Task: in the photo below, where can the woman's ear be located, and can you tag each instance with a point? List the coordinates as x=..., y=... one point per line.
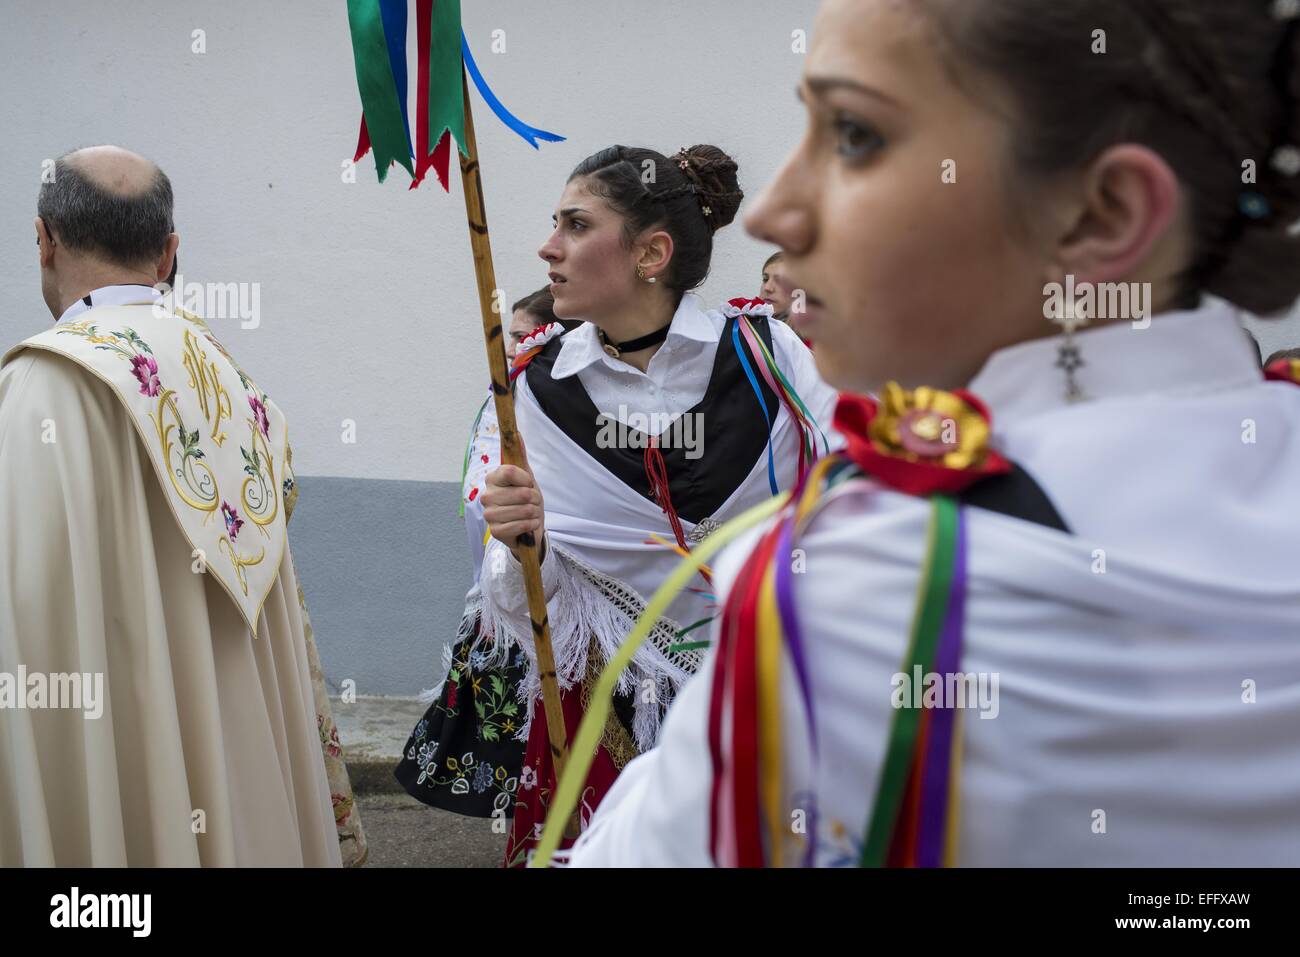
x=656, y=254
x=1120, y=221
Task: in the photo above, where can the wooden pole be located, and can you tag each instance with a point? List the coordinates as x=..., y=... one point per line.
x=476, y=215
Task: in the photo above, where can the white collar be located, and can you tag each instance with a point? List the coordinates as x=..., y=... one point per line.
x=111, y=296
x=581, y=347
x=1194, y=351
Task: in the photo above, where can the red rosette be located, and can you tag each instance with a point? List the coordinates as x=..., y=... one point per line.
x=919, y=464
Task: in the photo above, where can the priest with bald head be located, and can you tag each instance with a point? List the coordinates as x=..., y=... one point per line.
x=156, y=696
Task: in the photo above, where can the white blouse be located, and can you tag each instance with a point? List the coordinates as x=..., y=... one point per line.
x=675, y=378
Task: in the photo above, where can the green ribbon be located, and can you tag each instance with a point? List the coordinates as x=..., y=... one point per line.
x=446, y=75
x=931, y=607
x=681, y=646
x=389, y=137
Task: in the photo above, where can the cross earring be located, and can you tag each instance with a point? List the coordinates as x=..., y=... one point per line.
x=1069, y=358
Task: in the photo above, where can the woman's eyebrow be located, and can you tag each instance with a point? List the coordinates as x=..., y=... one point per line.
x=567, y=211
x=821, y=85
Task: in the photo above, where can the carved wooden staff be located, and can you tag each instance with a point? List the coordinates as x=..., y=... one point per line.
x=476, y=216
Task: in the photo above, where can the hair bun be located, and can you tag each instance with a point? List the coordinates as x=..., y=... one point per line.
x=718, y=190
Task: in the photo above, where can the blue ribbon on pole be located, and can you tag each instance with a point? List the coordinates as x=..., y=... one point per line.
x=393, y=15
x=529, y=134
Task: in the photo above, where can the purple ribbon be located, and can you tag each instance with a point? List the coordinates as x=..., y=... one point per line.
x=784, y=588
x=938, y=756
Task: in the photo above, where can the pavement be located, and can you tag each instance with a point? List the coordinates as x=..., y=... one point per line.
x=400, y=831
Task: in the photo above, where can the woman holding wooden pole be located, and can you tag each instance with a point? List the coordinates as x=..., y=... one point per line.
x=646, y=427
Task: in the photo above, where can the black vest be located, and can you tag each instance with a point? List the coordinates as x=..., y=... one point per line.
x=732, y=425
x=1016, y=494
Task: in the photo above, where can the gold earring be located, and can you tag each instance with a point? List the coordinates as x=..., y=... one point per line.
x=640, y=274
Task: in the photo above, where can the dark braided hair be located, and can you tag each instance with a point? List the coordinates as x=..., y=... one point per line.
x=1207, y=84
x=690, y=195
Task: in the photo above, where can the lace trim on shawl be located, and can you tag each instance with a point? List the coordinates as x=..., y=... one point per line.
x=590, y=614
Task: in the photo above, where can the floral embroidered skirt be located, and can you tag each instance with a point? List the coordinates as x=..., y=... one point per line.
x=537, y=779
x=463, y=755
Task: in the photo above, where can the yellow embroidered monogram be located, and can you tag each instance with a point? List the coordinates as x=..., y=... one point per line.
x=213, y=398
x=221, y=491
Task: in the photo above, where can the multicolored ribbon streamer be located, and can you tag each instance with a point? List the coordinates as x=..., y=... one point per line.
x=913, y=819
x=379, y=49
x=771, y=373
x=793, y=403
x=747, y=820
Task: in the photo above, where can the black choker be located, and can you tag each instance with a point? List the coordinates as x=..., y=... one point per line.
x=616, y=349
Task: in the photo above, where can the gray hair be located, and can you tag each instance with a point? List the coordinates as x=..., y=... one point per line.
x=125, y=230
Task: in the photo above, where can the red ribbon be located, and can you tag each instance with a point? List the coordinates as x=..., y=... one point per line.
x=656, y=470
x=737, y=657
x=439, y=160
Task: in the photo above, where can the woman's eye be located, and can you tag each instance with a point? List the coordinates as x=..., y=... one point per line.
x=854, y=140
x=577, y=224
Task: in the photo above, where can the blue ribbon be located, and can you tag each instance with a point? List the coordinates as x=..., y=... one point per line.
x=393, y=15
x=758, y=391
x=530, y=134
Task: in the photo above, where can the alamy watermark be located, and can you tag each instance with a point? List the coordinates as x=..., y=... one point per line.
x=1086, y=301
x=212, y=300
x=634, y=430
x=129, y=911
x=953, y=689
x=83, y=691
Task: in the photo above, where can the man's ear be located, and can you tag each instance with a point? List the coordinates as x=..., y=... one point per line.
x=44, y=239
x=167, y=259
x=1129, y=198
x=657, y=253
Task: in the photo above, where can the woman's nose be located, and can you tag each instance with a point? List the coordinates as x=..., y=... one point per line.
x=547, y=249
